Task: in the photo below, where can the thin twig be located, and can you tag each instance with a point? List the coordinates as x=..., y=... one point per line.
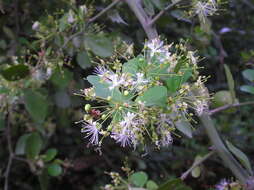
x=222, y=108
x=9, y=145
x=162, y=12
x=89, y=22
x=195, y=164
x=103, y=11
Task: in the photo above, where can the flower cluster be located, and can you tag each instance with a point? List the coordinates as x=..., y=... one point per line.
x=146, y=99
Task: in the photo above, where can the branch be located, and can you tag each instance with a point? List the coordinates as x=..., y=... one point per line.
x=104, y=11
x=11, y=155
x=222, y=151
x=211, y=112
x=195, y=164
x=162, y=12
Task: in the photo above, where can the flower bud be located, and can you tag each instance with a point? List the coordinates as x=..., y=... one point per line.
x=87, y=107
x=126, y=92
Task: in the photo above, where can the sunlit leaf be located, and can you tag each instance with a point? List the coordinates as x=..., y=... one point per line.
x=154, y=96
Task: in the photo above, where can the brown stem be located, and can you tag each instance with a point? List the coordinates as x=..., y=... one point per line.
x=114, y=2
x=162, y=12
x=222, y=108
x=136, y=7
x=195, y=164
x=10, y=150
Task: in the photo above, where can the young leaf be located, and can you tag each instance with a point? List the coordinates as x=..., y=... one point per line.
x=231, y=82
x=248, y=74
x=247, y=88
x=33, y=145
x=173, y=83
x=139, y=179
x=50, y=154
x=154, y=96
x=241, y=156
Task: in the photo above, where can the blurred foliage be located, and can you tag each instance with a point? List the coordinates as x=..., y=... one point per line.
x=48, y=47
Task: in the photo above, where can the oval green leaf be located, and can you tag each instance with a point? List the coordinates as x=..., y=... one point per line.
x=139, y=179
x=15, y=72
x=248, y=74
x=54, y=170
x=33, y=145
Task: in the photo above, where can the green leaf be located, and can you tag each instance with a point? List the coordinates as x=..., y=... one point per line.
x=173, y=83
x=248, y=74
x=102, y=89
x=33, y=145
x=231, y=82
x=154, y=96
x=151, y=185
x=247, y=88
x=131, y=66
x=83, y=60
x=36, y=105
x=61, y=78
x=15, y=72
x=185, y=127
x=174, y=184
x=240, y=156
x=21, y=144
x=99, y=45
x=50, y=154
x=139, y=179
x=54, y=170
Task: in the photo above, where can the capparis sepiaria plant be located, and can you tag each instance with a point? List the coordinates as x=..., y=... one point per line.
x=149, y=98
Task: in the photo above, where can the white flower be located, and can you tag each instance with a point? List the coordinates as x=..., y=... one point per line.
x=92, y=132
x=115, y=81
x=155, y=46
x=200, y=106
x=205, y=9
x=140, y=79
x=166, y=138
x=101, y=71
x=223, y=185
x=121, y=138
x=128, y=120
